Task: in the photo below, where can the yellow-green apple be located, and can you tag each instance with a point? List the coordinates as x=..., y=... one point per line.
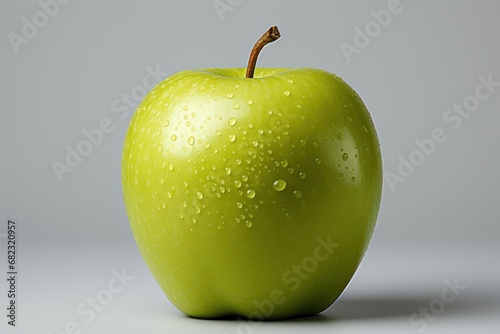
x=252, y=192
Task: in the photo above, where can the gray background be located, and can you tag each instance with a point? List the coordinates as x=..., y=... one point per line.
x=441, y=223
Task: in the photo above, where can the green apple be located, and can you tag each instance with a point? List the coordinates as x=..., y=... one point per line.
x=252, y=196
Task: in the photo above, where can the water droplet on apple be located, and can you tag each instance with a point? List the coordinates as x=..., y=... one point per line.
x=286, y=93
x=185, y=108
x=302, y=175
x=340, y=136
x=236, y=106
x=244, y=178
x=249, y=102
x=232, y=138
x=218, y=132
x=279, y=185
x=181, y=216
x=290, y=81
x=317, y=160
x=345, y=156
x=353, y=179
x=169, y=195
x=237, y=183
x=170, y=166
x=229, y=95
x=158, y=132
x=284, y=163
x=297, y=193
x=199, y=195
x=236, y=86
x=166, y=123
x=173, y=137
x=232, y=121
x=163, y=165
x=160, y=148
x=250, y=193
x=191, y=140
x=302, y=142
x=239, y=205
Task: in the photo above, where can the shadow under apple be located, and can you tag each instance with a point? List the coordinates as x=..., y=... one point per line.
x=346, y=309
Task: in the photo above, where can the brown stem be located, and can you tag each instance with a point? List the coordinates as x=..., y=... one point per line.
x=269, y=36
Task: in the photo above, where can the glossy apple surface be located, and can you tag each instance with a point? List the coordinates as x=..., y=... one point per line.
x=252, y=197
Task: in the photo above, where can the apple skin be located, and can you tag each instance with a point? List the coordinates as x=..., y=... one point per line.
x=203, y=161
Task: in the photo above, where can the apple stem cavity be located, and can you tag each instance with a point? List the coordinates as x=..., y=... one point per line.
x=269, y=36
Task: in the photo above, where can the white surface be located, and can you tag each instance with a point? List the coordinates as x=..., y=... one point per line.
x=389, y=286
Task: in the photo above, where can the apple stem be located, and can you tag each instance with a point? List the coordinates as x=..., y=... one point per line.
x=269, y=36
